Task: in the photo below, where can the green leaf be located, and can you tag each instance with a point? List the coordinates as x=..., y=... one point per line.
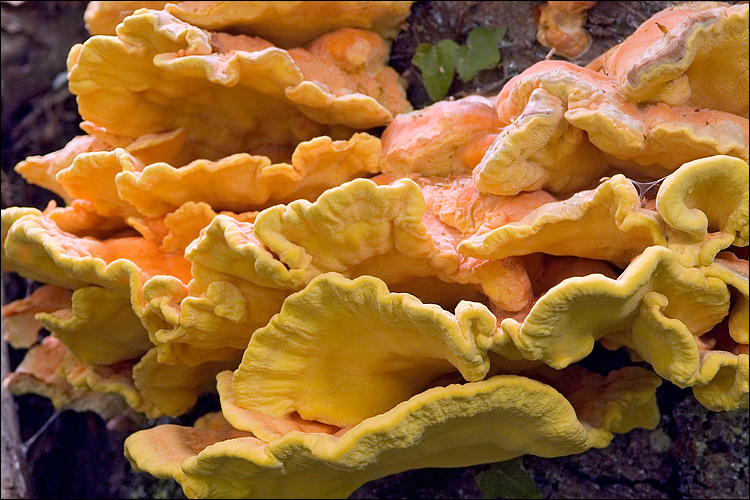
x=438, y=65
x=507, y=480
x=480, y=52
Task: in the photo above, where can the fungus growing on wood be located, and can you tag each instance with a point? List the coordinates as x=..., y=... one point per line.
x=367, y=305
x=444, y=426
x=561, y=27
x=221, y=89
x=286, y=24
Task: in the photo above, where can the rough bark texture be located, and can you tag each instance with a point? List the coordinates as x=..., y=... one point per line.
x=14, y=474
x=693, y=454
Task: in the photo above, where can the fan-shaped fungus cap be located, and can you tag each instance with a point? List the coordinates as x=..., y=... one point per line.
x=451, y=426
x=99, y=327
x=539, y=150
x=431, y=141
x=714, y=362
x=222, y=88
x=607, y=223
x=678, y=135
x=172, y=389
x=718, y=377
x=148, y=387
x=304, y=235
x=212, y=319
x=80, y=218
x=44, y=371
x=700, y=210
x=42, y=170
x=734, y=272
x=60, y=171
x=706, y=202
x=116, y=182
x=315, y=166
x=36, y=248
x=362, y=353
x=211, y=316
x=21, y=329
x=694, y=54
x=728, y=388
x=290, y=245
x=561, y=27
x=566, y=124
x=662, y=303
x=346, y=81
x=40, y=372
x=286, y=24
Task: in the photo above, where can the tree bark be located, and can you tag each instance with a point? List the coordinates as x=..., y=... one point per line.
x=15, y=474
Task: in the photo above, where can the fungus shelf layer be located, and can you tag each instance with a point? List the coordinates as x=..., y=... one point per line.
x=372, y=301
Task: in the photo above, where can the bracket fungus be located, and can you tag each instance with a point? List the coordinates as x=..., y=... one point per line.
x=287, y=246
x=692, y=215
x=167, y=74
x=22, y=329
x=606, y=223
x=428, y=142
x=394, y=347
x=676, y=55
x=117, y=184
x=286, y=24
x=366, y=305
x=566, y=124
x=94, y=310
x=444, y=426
x=561, y=27
x=43, y=371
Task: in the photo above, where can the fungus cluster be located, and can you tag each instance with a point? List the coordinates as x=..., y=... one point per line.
x=561, y=27
x=367, y=305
